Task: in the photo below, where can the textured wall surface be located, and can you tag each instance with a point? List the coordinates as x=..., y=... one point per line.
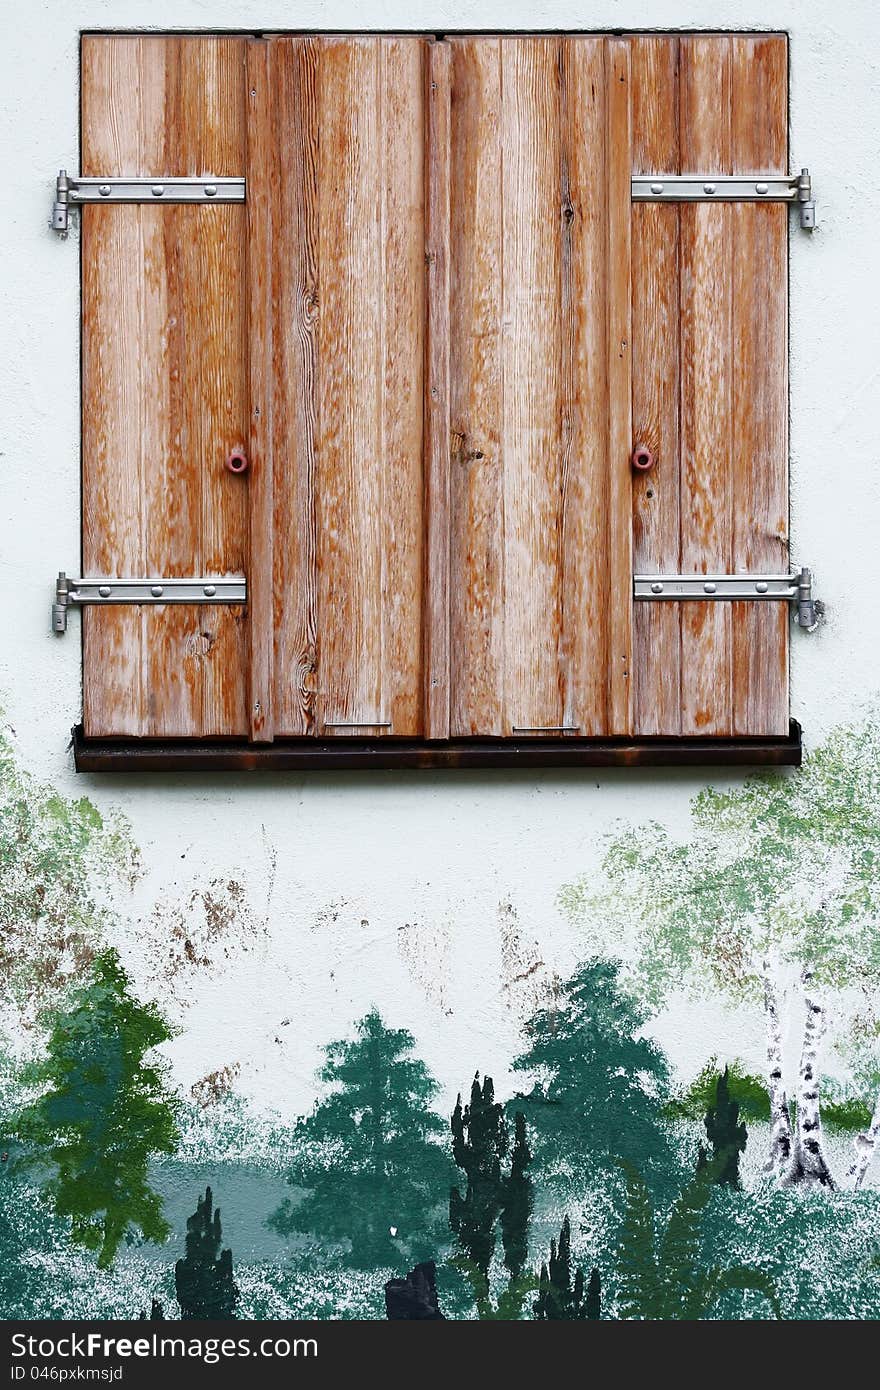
x=295, y=904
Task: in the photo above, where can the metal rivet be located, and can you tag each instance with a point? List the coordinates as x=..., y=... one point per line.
x=104, y=590
x=656, y=188
x=156, y=590
x=157, y=190
x=709, y=587
x=210, y=190
x=105, y=190
x=762, y=586
x=210, y=590
x=74, y=194
x=762, y=188
x=708, y=187
x=656, y=588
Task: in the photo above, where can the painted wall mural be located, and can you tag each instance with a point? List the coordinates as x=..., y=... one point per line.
x=601, y=1184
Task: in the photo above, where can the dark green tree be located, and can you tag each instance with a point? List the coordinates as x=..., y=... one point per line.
x=661, y=1275
x=600, y=1088
x=726, y=1135
x=156, y=1312
x=104, y=1112
x=496, y=1193
x=560, y=1298
x=370, y=1157
x=203, y=1278
x=517, y=1201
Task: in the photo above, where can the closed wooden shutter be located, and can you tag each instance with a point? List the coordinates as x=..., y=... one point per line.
x=437, y=326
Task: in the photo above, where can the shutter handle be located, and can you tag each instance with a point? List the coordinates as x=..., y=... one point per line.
x=642, y=459
x=237, y=462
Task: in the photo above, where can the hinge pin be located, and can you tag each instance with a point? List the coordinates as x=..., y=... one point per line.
x=806, y=204
x=61, y=207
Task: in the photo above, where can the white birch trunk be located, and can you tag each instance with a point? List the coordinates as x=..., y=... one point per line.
x=865, y=1145
x=808, y=1163
x=780, y=1118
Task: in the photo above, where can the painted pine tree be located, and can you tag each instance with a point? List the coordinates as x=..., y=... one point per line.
x=559, y=1296
x=602, y=1088
x=203, y=1278
x=370, y=1156
x=497, y=1194
x=727, y=1136
x=104, y=1112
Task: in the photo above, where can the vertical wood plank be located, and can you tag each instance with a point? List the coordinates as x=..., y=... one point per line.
x=759, y=98
x=656, y=384
x=531, y=364
x=618, y=194
x=477, y=463
x=707, y=422
x=351, y=453
x=261, y=181
x=437, y=392
x=404, y=61
x=112, y=292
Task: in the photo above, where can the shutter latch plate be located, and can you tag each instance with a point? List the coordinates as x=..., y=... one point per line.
x=72, y=191
x=720, y=188
x=73, y=593
x=734, y=588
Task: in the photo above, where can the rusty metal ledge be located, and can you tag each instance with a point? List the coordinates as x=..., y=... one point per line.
x=389, y=754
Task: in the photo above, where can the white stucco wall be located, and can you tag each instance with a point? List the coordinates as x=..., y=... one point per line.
x=399, y=890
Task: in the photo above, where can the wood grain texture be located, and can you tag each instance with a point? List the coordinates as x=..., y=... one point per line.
x=438, y=463
x=619, y=271
x=340, y=284
x=164, y=386
x=533, y=306
x=706, y=371
x=759, y=138
x=710, y=384
x=656, y=384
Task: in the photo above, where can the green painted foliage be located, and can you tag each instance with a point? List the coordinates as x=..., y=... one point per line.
x=370, y=1158
x=561, y=1298
x=749, y=1092
x=103, y=1112
x=56, y=856
x=661, y=1274
x=600, y=1088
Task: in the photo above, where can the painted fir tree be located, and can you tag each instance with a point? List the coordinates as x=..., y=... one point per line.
x=599, y=1087
x=370, y=1156
x=203, y=1278
x=726, y=1134
x=497, y=1194
x=561, y=1298
x=104, y=1112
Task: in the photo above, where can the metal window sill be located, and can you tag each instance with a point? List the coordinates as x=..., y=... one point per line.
x=135, y=755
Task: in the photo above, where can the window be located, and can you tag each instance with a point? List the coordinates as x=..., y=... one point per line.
x=435, y=330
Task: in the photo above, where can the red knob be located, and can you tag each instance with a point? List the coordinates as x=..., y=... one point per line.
x=642, y=458
x=236, y=461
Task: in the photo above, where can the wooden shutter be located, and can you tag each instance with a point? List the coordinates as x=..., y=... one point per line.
x=164, y=380
x=710, y=393
x=438, y=326
x=540, y=386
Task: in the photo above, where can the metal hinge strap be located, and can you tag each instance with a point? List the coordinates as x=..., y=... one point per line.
x=73, y=593
x=733, y=588
x=72, y=191
x=720, y=188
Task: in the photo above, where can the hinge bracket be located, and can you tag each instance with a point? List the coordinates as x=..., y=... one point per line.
x=720, y=188
x=73, y=593
x=734, y=588
x=72, y=191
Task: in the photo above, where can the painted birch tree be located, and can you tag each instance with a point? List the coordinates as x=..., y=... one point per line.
x=773, y=898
